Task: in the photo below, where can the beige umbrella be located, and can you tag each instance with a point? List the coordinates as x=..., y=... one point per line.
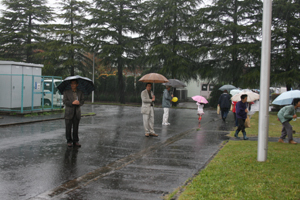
x=252, y=96
x=154, y=78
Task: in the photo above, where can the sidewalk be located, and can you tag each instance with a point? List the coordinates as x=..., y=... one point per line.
x=8, y=120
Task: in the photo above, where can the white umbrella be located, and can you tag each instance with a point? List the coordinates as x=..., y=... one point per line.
x=251, y=96
x=286, y=98
x=235, y=91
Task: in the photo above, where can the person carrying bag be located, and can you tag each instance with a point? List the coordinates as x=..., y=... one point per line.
x=241, y=114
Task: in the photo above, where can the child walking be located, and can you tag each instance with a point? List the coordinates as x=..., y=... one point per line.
x=200, y=110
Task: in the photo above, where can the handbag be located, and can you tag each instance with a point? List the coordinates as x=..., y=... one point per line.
x=247, y=122
x=218, y=109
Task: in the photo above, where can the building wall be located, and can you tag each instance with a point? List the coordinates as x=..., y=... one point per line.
x=199, y=87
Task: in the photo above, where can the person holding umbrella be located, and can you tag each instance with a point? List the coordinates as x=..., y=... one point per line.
x=147, y=110
x=166, y=104
x=224, y=103
x=73, y=99
x=285, y=115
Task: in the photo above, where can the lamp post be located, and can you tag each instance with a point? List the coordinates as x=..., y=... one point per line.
x=263, y=126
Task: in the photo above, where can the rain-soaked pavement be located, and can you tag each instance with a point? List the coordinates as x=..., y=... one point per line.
x=115, y=161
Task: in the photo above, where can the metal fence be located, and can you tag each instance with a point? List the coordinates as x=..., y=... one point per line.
x=28, y=93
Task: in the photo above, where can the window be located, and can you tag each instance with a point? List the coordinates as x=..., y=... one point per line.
x=211, y=87
x=204, y=87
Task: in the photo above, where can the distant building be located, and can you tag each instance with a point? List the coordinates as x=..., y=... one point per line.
x=199, y=87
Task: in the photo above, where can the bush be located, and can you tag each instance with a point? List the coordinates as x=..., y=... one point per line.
x=130, y=85
x=274, y=96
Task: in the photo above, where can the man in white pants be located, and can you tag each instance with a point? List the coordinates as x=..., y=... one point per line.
x=148, y=99
x=166, y=104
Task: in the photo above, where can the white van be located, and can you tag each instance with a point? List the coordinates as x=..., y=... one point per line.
x=57, y=97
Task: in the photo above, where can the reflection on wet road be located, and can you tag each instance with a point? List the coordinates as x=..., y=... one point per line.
x=115, y=161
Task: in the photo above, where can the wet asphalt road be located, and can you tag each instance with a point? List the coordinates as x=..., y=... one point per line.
x=115, y=161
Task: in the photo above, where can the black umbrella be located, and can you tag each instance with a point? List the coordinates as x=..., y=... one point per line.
x=85, y=85
x=175, y=83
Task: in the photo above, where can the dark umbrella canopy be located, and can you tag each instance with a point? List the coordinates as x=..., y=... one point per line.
x=175, y=83
x=85, y=85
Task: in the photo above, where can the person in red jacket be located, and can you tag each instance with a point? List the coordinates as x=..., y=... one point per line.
x=234, y=114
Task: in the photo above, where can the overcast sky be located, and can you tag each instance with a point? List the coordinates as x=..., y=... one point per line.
x=54, y=4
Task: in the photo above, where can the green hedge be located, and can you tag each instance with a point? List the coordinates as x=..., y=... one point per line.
x=106, y=89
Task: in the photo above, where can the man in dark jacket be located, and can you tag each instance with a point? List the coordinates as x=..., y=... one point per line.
x=224, y=103
x=241, y=115
x=73, y=99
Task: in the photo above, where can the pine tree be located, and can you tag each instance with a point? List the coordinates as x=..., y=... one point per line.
x=285, y=43
x=20, y=27
x=115, y=34
x=66, y=44
x=169, y=30
x=232, y=29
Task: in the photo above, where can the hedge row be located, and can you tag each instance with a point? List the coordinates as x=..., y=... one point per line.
x=106, y=89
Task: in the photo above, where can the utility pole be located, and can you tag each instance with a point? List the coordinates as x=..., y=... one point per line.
x=263, y=126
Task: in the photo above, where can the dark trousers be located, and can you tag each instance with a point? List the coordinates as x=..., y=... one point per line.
x=236, y=123
x=69, y=123
x=224, y=112
x=241, y=126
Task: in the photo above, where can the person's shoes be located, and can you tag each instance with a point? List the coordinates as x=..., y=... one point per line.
x=168, y=124
x=154, y=134
x=164, y=123
x=223, y=119
x=76, y=144
x=292, y=142
x=244, y=136
x=147, y=134
x=280, y=140
x=236, y=134
x=69, y=144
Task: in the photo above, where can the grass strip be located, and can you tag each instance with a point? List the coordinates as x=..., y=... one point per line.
x=235, y=174
x=274, y=126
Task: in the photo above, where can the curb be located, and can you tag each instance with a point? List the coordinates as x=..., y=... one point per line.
x=36, y=121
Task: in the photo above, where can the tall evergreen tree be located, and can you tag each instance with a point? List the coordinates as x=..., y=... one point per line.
x=169, y=29
x=115, y=29
x=67, y=43
x=233, y=28
x=285, y=43
x=20, y=26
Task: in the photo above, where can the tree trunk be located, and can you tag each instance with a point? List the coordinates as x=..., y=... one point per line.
x=120, y=63
x=120, y=83
x=72, y=42
x=28, y=48
x=288, y=87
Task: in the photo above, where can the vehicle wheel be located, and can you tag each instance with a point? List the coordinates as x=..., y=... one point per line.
x=47, y=102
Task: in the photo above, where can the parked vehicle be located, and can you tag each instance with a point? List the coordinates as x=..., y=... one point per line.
x=57, y=97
